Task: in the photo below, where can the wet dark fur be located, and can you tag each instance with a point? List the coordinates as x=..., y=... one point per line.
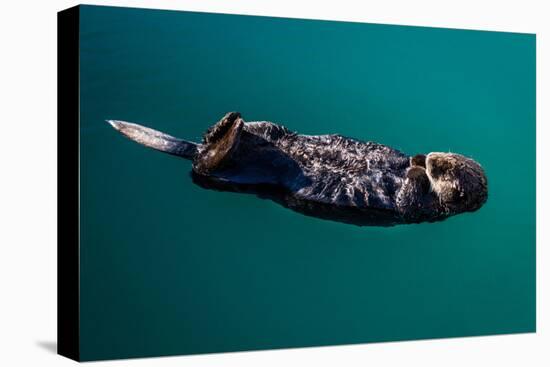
x=326, y=171
x=327, y=176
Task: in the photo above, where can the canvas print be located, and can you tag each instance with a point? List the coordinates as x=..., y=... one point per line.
x=232, y=183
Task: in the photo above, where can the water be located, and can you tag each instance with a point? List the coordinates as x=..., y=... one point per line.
x=170, y=268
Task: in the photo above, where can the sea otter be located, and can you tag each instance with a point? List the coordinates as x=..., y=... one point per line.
x=326, y=176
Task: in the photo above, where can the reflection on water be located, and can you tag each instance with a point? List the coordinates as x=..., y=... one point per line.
x=349, y=215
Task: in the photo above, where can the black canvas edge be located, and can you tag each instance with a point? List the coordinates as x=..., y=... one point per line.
x=68, y=229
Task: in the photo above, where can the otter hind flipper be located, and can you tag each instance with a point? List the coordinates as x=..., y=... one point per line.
x=219, y=142
x=155, y=139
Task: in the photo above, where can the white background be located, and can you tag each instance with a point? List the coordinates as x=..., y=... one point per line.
x=28, y=183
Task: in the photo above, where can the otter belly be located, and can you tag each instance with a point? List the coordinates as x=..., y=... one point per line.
x=371, y=189
x=346, y=172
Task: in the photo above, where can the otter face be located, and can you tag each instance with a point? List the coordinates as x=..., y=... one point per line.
x=459, y=182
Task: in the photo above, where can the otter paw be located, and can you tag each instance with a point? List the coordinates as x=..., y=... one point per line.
x=218, y=130
x=418, y=160
x=417, y=177
x=219, y=142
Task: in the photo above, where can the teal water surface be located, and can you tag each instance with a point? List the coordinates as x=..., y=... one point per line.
x=170, y=268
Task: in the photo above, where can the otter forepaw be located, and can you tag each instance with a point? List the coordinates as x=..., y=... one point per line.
x=418, y=160
x=417, y=177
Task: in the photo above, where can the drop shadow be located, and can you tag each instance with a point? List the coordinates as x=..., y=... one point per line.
x=50, y=346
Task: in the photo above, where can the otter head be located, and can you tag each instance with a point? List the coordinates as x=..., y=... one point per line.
x=459, y=182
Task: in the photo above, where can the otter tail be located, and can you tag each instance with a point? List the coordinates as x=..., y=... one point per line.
x=155, y=139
